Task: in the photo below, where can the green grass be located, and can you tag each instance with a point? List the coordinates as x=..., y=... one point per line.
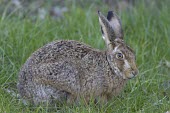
x=146, y=29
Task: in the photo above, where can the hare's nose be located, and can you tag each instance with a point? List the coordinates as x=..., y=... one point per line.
x=135, y=72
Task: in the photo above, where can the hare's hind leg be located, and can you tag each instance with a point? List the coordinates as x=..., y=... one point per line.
x=40, y=95
x=45, y=94
x=25, y=93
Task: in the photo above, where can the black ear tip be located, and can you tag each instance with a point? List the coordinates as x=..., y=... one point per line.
x=110, y=14
x=98, y=12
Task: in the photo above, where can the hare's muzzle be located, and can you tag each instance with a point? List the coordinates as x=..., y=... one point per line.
x=135, y=72
x=131, y=70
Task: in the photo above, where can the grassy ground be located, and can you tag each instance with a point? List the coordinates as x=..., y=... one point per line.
x=146, y=29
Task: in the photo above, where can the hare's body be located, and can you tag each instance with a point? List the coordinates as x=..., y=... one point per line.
x=70, y=70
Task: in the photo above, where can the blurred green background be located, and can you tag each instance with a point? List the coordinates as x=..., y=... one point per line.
x=26, y=25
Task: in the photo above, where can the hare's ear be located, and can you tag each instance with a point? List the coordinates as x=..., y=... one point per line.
x=116, y=24
x=111, y=28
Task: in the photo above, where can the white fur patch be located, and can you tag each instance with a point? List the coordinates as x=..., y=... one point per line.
x=126, y=65
x=116, y=49
x=103, y=37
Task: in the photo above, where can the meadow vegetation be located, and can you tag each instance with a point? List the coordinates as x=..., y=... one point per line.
x=146, y=30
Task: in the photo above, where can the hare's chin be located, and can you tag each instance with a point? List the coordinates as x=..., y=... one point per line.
x=130, y=76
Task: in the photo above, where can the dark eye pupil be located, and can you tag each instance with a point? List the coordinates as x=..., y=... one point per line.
x=119, y=55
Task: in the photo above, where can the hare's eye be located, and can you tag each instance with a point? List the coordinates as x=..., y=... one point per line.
x=119, y=56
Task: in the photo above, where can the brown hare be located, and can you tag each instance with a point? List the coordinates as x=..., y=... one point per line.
x=72, y=70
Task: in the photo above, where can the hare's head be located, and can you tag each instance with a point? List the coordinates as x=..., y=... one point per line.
x=121, y=57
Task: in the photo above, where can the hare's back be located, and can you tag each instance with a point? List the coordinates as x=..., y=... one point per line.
x=59, y=50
